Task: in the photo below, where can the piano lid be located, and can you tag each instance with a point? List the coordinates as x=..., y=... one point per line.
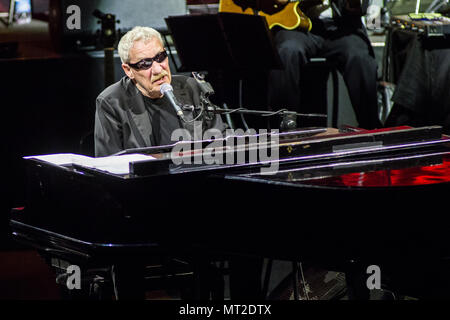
x=404, y=170
x=296, y=154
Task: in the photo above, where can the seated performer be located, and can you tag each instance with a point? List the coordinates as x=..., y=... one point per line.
x=133, y=113
x=339, y=35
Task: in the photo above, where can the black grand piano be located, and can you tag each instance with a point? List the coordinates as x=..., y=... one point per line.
x=328, y=197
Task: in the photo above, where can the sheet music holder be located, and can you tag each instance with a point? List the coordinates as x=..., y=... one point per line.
x=223, y=41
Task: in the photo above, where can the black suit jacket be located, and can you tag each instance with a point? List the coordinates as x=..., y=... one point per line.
x=123, y=122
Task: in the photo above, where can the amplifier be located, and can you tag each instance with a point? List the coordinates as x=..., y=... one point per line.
x=439, y=27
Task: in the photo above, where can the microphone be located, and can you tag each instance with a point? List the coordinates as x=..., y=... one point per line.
x=205, y=87
x=167, y=90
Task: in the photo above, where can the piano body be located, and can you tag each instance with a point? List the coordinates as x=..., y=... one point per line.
x=377, y=197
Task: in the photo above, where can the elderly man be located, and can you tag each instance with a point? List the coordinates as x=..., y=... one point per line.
x=133, y=113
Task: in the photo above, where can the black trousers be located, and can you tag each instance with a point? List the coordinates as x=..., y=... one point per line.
x=350, y=52
x=422, y=94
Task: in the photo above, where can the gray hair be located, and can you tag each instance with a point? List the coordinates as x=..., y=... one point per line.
x=135, y=34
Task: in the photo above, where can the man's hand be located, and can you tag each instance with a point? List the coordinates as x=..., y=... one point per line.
x=373, y=17
x=272, y=6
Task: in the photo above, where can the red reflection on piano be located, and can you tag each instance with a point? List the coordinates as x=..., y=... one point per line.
x=414, y=176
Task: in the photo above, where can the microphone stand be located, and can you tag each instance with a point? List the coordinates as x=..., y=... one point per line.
x=108, y=37
x=283, y=112
x=289, y=121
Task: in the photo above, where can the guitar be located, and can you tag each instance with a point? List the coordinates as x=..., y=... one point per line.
x=288, y=16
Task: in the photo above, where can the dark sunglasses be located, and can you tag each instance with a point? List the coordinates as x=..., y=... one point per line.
x=145, y=64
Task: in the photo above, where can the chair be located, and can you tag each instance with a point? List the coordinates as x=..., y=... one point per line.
x=296, y=269
x=123, y=281
x=101, y=280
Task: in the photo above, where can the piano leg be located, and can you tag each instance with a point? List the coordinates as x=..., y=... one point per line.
x=128, y=281
x=208, y=280
x=355, y=277
x=245, y=278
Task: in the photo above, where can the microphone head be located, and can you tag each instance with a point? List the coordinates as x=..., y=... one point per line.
x=165, y=87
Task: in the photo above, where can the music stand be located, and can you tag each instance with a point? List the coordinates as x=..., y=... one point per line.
x=223, y=41
x=7, y=12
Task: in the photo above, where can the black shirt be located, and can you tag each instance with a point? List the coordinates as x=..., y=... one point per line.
x=163, y=119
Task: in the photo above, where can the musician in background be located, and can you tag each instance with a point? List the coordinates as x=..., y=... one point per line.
x=133, y=113
x=339, y=35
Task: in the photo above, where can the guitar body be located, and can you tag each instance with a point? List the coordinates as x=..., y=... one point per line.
x=288, y=17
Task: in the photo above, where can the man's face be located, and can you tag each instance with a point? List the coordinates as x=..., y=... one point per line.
x=148, y=81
